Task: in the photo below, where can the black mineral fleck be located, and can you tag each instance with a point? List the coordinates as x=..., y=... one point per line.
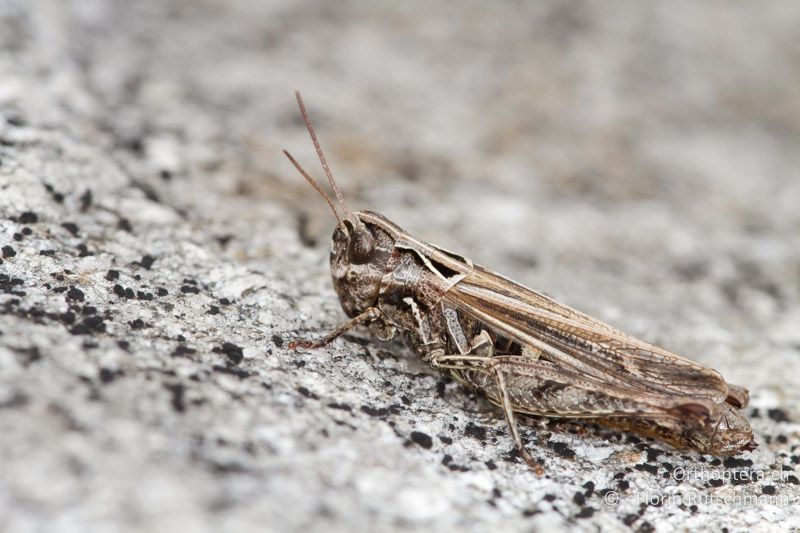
x=378, y=412
x=422, y=439
x=107, y=375
x=561, y=449
x=75, y=294
x=147, y=261
x=177, y=390
x=652, y=469
x=475, y=431
x=733, y=462
x=28, y=217
x=307, y=393
x=629, y=519
x=86, y=200
x=234, y=353
x=182, y=350
x=89, y=325
x=71, y=227
x=778, y=415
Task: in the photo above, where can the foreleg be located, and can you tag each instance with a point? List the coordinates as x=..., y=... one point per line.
x=369, y=315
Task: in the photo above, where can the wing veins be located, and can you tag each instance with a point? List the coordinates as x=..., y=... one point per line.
x=580, y=343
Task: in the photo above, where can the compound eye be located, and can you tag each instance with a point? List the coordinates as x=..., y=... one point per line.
x=339, y=235
x=362, y=246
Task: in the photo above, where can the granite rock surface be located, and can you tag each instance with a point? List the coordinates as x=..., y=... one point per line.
x=636, y=161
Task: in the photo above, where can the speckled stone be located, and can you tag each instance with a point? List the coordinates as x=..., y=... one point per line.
x=637, y=161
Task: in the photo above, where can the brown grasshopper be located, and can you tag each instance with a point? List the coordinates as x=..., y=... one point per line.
x=525, y=351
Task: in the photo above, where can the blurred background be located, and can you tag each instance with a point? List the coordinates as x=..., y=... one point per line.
x=637, y=160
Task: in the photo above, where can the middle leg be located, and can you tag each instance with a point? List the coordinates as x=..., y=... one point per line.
x=483, y=361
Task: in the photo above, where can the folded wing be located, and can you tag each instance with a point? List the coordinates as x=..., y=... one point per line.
x=578, y=342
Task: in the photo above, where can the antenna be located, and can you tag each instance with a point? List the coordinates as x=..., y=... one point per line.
x=316, y=186
x=319, y=152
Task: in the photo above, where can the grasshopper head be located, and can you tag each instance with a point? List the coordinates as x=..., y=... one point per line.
x=358, y=262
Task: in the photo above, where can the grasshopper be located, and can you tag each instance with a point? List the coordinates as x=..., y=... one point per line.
x=526, y=352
